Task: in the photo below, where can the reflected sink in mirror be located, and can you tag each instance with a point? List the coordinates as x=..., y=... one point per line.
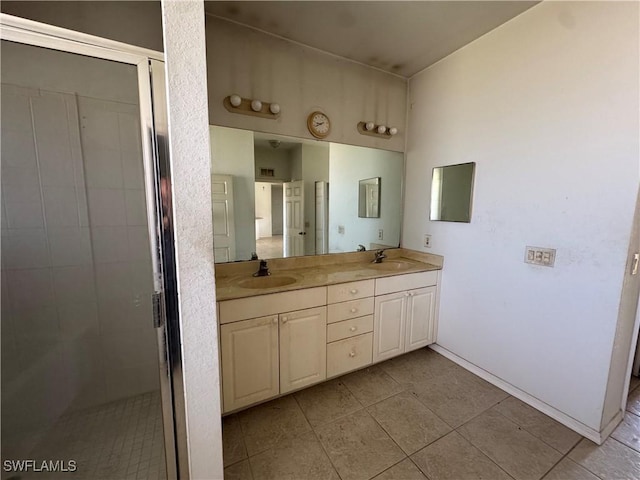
x=267, y=282
x=391, y=265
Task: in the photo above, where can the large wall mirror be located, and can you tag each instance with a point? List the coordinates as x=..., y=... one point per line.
x=277, y=196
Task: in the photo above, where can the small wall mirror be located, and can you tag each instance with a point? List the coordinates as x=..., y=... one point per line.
x=452, y=192
x=369, y=198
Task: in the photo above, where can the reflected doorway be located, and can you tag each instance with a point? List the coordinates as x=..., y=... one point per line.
x=269, y=220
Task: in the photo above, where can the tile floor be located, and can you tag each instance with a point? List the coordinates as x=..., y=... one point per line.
x=270, y=247
x=416, y=417
x=119, y=440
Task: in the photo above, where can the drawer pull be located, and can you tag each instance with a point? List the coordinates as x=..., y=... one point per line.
x=284, y=319
x=352, y=354
x=353, y=329
x=353, y=310
x=353, y=291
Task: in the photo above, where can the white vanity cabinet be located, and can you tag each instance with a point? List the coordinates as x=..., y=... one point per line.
x=405, y=314
x=250, y=361
x=303, y=353
x=268, y=355
x=281, y=342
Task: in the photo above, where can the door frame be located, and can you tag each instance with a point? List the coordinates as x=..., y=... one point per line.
x=155, y=154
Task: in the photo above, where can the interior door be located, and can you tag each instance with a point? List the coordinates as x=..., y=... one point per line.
x=293, y=193
x=224, y=231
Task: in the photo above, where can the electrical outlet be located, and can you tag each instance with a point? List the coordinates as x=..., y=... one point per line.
x=540, y=256
x=380, y=234
x=341, y=229
x=427, y=241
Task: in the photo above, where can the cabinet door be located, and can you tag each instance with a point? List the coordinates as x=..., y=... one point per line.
x=420, y=326
x=249, y=351
x=303, y=348
x=388, y=325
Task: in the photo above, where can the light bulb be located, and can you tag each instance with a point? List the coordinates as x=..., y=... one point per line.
x=274, y=108
x=235, y=100
x=393, y=131
x=369, y=126
x=256, y=105
x=382, y=129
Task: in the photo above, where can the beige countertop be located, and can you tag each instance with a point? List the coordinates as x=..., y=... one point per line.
x=318, y=271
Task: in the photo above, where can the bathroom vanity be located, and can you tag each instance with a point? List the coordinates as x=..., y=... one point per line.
x=315, y=318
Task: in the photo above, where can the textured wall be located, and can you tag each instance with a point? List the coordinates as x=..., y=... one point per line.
x=301, y=79
x=183, y=26
x=547, y=107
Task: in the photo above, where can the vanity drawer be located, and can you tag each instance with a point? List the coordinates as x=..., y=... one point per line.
x=350, y=354
x=274, y=303
x=350, y=291
x=349, y=328
x=408, y=281
x=355, y=308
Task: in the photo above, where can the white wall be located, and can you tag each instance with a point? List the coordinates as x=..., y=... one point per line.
x=347, y=166
x=183, y=28
x=301, y=79
x=277, y=159
x=232, y=154
x=263, y=209
x=547, y=105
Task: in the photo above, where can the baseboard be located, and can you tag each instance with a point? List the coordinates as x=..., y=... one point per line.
x=595, y=436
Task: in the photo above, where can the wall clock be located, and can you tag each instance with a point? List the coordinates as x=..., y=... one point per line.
x=319, y=124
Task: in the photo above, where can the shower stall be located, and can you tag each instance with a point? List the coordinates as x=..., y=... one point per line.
x=88, y=377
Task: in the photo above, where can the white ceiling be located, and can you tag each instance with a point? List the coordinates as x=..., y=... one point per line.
x=395, y=36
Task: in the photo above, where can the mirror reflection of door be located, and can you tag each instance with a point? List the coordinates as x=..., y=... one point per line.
x=269, y=223
x=294, y=218
x=224, y=232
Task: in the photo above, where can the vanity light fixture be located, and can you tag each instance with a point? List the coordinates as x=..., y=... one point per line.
x=380, y=131
x=236, y=104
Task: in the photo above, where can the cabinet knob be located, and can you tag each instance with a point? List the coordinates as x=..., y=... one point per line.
x=411, y=294
x=353, y=329
x=285, y=319
x=353, y=310
x=275, y=320
x=406, y=294
x=352, y=354
x=353, y=291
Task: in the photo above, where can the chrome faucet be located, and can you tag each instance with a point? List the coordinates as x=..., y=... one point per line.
x=361, y=248
x=263, y=270
x=379, y=257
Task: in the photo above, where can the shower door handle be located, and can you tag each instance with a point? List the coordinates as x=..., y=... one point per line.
x=157, y=302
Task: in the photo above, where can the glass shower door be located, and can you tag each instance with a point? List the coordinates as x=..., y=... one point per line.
x=80, y=374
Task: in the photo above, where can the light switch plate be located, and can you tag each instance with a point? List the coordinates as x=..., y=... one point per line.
x=540, y=256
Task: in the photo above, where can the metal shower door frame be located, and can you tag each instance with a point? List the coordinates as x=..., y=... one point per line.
x=153, y=124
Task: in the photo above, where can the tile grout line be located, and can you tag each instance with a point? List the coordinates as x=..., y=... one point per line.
x=315, y=434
